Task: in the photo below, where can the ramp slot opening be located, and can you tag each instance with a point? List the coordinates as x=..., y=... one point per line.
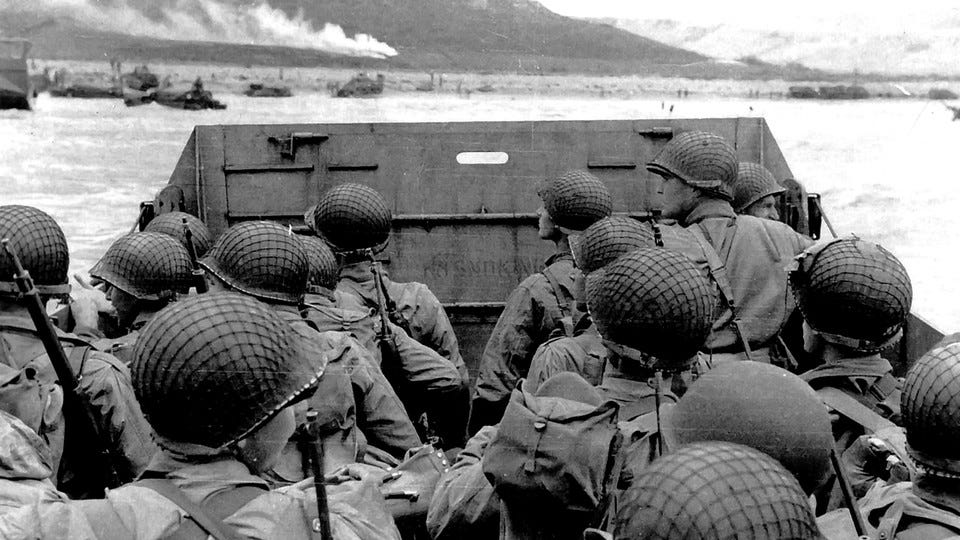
x=482, y=158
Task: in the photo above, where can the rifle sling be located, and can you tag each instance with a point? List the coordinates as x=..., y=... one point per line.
x=207, y=517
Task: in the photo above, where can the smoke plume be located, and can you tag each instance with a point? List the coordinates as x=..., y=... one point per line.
x=208, y=20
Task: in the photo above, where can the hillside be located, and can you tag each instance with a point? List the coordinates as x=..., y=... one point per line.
x=461, y=35
x=929, y=48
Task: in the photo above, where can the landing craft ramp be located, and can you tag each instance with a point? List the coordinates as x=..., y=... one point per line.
x=463, y=195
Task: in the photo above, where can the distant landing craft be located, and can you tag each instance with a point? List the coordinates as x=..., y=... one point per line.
x=956, y=111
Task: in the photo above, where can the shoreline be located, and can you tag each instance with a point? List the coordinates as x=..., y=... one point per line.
x=233, y=79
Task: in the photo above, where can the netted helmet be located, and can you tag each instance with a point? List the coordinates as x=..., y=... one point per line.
x=41, y=247
x=761, y=406
x=753, y=183
x=213, y=368
x=146, y=265
x=324, y=271
x=608, y=239
x=575, y=199
x=854, y=293
x=715, y=491
x=171, y=224
x=653, y=301
x=930, y=409
x=703, y=160
x=352, y=217
x=262, y=259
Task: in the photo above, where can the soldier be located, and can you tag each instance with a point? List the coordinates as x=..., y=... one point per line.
x=144, y=272
x=264, y=260
x=425, y=370
x=929, y=507
x=171, y=224
x=755, y=191
x=541, y=303
x=855, y=297
x=714, y=491
x=746, y=255
x=354, y=220
x=104, y=380
x=218, y=376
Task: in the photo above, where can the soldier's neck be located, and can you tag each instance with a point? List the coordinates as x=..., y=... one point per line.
x=563, y=244
x=833, y=354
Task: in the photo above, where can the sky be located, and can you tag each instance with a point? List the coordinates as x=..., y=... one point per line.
x=866, y=16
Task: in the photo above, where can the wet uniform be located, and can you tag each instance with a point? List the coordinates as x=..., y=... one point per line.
x=533, y=311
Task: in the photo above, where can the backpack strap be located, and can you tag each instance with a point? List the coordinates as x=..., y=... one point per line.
x=848, y=406
x=718, y=271
x=207, y=517
x=563, y=299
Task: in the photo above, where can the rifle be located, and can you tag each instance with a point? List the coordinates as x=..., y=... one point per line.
x=390, y=362
x=76, y=404
x=848, y=497
x=198, y=280
x=311, y=452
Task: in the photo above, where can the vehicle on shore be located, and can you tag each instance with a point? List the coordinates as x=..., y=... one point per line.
x=194, y=98
x=261, y=90
x=360, y=86
x=16, y=88
x=86, y=91
x=828, y=92
x=463, y=194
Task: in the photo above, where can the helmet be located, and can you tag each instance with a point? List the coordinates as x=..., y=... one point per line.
x=575, y=199
x=352, y=217
x=715, y=491
x=855, y=293
x=761, y=406
x=753, y=183
x=654, y=301
x=930, y=409
x=171, y=224
x=324, y=271
x=213, y=368
x=703, y=160
x=610, y=238
x=262, y=259
x=146, y=265
x=41, y=247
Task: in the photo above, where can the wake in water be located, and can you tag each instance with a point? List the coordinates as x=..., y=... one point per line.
x=208, y=20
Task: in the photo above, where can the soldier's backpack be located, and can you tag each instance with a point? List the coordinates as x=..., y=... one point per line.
x=555, y=454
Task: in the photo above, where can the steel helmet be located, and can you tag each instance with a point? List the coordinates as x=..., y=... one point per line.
x=41, y=247
x=324, y=270
x=715, y=491
x=608, y=239
x=213, y=368
x=575, y=200
x=761, y=406
x=262, y=259
x=146, y=265
x=703, y=160
x=854, y=293
x=753, y=183
x=930, y=409
x=653, y=301
x=352, y=217
x=171, y=224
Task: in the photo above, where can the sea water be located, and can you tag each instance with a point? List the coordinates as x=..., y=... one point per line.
x=887, y=169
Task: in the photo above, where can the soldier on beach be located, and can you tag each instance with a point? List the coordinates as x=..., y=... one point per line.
x=144, y=272
x=543, y=303
x=105, y=380
x=746, y=255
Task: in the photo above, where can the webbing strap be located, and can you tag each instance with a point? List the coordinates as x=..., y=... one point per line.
x=562, y=299
x=206, y=520
x=719, y=274
x=848, y=406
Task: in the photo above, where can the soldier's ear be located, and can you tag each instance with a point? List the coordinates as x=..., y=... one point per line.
x=596, y=534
